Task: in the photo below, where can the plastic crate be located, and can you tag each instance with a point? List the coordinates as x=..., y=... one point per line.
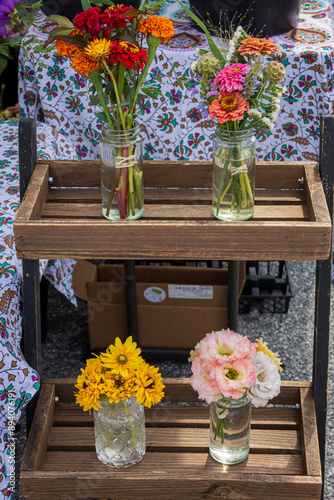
x=268, y=287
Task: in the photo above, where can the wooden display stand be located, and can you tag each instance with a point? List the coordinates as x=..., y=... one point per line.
x=291, y=221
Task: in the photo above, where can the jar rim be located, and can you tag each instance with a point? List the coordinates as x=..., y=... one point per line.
x=224, y=133
x=106, y=129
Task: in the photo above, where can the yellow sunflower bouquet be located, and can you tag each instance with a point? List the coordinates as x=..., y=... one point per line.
x=116, y=375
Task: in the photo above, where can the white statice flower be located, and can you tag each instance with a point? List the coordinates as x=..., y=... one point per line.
x=267, y=123
x=273, y=116
x=255, y=114
x=268, y=380
x=193, y=67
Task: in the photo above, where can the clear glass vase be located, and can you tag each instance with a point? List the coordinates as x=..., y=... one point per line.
x=120, y=433
x=233, y=174
x=229, y=437
x=121, y=173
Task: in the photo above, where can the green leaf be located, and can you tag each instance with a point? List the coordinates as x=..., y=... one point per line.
x=3, y=64
x=85, y=4
x=36, y=5
x=14, y=41
x=62, y=21
x=109, y=87
x=101, y=116
x=104, y=2
x=42, y=65
x=94, y=100
x=214, y=49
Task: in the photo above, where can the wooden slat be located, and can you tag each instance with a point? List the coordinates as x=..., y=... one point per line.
x=176, y=439
x=176, y=174
x=174, y=416
x=177, y=464
x=158, y=195
x=35, y=197
x=309, y=433
x=44, y=485
x=40, y=429
x=161, y=212
x=179, y=390
x=315, y=194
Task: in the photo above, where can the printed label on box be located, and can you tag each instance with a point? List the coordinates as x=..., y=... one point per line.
x=190, y=292
x=154, y=294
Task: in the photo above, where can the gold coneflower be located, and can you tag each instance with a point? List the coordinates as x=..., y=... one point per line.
x=121, y=358
x=149, y=385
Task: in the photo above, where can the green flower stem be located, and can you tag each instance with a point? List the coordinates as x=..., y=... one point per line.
x=243, y=190
x=152, y=49
x=119, y=107
x=249, y=189
x=138, y=180
x=95, y=79
x=225, y=191
x=222, y=178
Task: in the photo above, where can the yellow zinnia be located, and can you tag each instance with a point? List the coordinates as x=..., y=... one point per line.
x=149, y=385
x=121, y=358
x=89, y=385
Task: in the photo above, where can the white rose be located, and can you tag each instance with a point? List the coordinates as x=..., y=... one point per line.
x=268, y=381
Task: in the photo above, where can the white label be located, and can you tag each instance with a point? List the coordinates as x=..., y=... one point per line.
x=154, y=294
x=190, y=292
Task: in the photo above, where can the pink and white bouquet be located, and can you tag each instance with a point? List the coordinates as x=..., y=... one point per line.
x=226, y=366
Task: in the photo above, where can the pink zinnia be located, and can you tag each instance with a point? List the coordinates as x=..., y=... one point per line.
x=232, y=77
x=234, y=378
x=228, y=106
x=225, y=346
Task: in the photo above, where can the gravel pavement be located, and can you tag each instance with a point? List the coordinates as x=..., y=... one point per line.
x=290, y=334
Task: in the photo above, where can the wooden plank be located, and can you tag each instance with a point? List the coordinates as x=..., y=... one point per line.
x=309, y=433
x=175, y=416
x=315, y=194
x=166, y=195
x=176, y=174
x=142, y=239
x=177, y=439
x=40, y=429
x=193, y=211
x=178, y=465
x=179, y=390
x=36, y=194
x=42, y=485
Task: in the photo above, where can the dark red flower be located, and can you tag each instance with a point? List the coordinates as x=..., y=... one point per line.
x=115, y=16
x=128, y=54
x=89, y=20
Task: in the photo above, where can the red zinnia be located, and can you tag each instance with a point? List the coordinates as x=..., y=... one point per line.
x=89, y=20
x=128, y=54
x=116, y=17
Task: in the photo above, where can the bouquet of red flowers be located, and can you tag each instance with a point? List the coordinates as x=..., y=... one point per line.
x=115, y=49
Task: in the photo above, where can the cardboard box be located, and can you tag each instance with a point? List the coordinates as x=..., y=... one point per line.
x=176, y=305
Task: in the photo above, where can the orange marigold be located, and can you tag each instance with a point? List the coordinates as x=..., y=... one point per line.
x=66, y=49
x=159, y=27
x=257, y=46
x=83, y=64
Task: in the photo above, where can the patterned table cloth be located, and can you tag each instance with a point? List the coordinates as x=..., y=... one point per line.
x=18, y=381
x=174, y=126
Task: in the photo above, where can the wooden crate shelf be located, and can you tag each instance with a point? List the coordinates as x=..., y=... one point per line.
x=291, y=219
x=60, y=460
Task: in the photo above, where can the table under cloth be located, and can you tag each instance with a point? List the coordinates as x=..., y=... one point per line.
x=174, y=126
x=18, y=381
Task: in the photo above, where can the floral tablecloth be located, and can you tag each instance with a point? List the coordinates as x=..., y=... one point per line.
x=18, y=381
x=174, y=126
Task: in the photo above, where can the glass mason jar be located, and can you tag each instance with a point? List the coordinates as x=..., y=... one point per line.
x=229, y=444
x=120, y=433
x=121, y=173
x=233, y=174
